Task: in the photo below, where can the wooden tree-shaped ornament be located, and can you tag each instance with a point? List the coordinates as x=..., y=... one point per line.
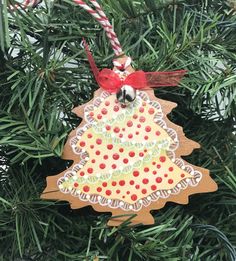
x=127, y=159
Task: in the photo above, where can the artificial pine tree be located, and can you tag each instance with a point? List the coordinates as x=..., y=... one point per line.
x=44, y=74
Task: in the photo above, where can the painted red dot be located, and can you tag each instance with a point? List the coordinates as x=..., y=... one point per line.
x=154, y=172
x=146, y=169
x=130, y=136
x=137, y=186
x=137, y=133
x=158, y=166
x=162, y=159
x=153, y=163
x=93, y=160
x=121, y=182
x=105, y=157
x=171, y=168
x=114, y=166
x=104, y=111
x=108, y=192
x=128, y=192
x=134, y=197
x=82, y=144
x=123, y=129
x=97, y=152
x=90, y=135
x=116, y=129
x=131, y=182
x=144, y=191
x=129, y=123
x=113, y=183
x=110, y=146
x=118, y=191
x=86, y=188
x=99, y=189
x=151, y=111
x=146, y=137
x=141, y=154
x=102, y=166
x=142, y=119
x=158, y=133
x=104, y=184
x=91, y=114
x=76, y=184
x=99, y=116
x=107, y=103
x=170, y=181
x=148, y=129
x=135, y=173
x=90, y=170
x=131, y=154
x=82, y=173
x=165, y=175
x=138, y=125
x=99, y=141
x=120, y=135
x=115, y=156
x=158, y=179
x=121, y=150
x=108, y=127
x=125, y=160
x=116, y=108
x=182, y=175
x=91, y=146
x=141, y=109
x=145, y=181
x=135, y=116
x=153, y=187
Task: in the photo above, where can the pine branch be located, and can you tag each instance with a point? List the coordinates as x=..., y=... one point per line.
x=43, y=75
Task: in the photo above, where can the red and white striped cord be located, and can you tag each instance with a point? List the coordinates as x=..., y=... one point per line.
x=25, y=4
x=100, y=16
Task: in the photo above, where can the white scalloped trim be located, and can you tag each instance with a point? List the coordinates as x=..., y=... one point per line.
x=144, y=202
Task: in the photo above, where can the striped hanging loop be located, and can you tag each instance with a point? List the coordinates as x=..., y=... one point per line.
x=25, y=4
x=100, y=16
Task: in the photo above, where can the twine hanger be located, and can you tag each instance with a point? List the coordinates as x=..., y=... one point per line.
x=100, y=16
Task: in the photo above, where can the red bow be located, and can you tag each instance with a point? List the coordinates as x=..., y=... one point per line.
x=111, y=82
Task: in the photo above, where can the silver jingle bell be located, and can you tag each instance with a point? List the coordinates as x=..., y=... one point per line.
x=126, y=95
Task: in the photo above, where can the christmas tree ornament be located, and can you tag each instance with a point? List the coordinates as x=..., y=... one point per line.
x=126, y=153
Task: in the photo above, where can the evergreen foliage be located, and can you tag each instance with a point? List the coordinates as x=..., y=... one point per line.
x=44, y=73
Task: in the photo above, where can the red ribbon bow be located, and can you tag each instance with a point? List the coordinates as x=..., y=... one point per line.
x=111, y=82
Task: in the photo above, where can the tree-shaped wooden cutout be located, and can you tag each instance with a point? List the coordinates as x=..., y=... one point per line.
x=127, y=159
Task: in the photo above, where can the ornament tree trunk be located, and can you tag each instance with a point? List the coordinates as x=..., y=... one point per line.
x=44, y=74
